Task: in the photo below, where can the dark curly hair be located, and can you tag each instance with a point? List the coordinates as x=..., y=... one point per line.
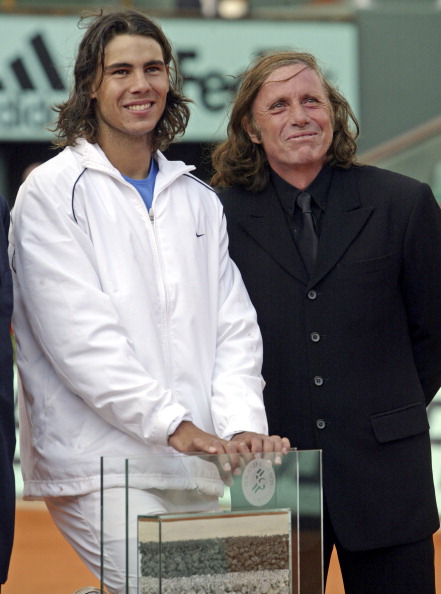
x=76, y=116
x=238, y=160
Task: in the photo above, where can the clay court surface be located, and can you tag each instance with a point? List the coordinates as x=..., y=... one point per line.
x=43, y=563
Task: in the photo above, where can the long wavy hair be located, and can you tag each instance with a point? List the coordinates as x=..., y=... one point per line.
x=238, y=160
x=76, y=116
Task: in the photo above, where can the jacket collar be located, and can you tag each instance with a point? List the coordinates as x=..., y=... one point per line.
x=93, y=157
x=345, y=217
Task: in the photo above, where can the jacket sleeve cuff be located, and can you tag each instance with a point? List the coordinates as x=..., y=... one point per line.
x=166, y=423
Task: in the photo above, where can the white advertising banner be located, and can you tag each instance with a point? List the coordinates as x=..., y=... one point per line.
x=37, y=52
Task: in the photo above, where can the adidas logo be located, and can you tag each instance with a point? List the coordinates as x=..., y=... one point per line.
x=28, y=87
x=24, y=78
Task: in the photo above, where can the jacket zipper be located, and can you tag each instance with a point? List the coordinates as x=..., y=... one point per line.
x=168, y=358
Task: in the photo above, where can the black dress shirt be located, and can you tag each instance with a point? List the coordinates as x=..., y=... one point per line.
x=318, y=189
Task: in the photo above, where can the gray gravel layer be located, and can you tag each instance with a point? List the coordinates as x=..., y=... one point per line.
x=251, y=582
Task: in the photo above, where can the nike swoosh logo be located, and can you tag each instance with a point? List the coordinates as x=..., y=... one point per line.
x=199, y=234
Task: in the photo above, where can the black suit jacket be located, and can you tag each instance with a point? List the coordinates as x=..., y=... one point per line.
x=7, y=422
x=352, y=355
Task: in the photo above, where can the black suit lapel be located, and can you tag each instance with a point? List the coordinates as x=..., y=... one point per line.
x=268, y=227
x=344, y=219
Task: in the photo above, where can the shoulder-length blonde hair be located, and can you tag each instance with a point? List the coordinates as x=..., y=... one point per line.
x=76, y=116
x=238, y=160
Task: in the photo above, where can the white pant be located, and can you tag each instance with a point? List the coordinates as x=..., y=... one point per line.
x=79, y=520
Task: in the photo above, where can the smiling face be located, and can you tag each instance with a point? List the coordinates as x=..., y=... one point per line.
x=131, y=97
x=292, y=120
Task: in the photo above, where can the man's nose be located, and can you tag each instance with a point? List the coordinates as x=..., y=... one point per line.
x=139, y=82
x=299, y=115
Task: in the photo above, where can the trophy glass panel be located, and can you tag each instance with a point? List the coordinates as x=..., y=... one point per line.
x=309, y=523
x=261, y=488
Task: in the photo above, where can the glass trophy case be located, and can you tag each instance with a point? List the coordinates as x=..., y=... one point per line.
x=241, y=524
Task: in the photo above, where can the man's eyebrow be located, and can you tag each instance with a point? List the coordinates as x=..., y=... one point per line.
x=128, y=65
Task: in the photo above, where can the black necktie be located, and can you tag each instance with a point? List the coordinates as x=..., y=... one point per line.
x=306, y=237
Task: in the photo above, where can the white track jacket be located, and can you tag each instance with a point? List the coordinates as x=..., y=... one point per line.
x=125, y=323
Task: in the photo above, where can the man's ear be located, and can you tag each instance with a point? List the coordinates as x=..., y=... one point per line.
x=251, y=130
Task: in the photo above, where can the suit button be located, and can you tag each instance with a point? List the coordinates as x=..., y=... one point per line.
x=315, y=336
x=318, y=380
x=320, y=424
x=312, y=294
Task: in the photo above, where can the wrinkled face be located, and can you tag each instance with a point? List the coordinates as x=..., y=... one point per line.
x=292, y=120
x=131, y=97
